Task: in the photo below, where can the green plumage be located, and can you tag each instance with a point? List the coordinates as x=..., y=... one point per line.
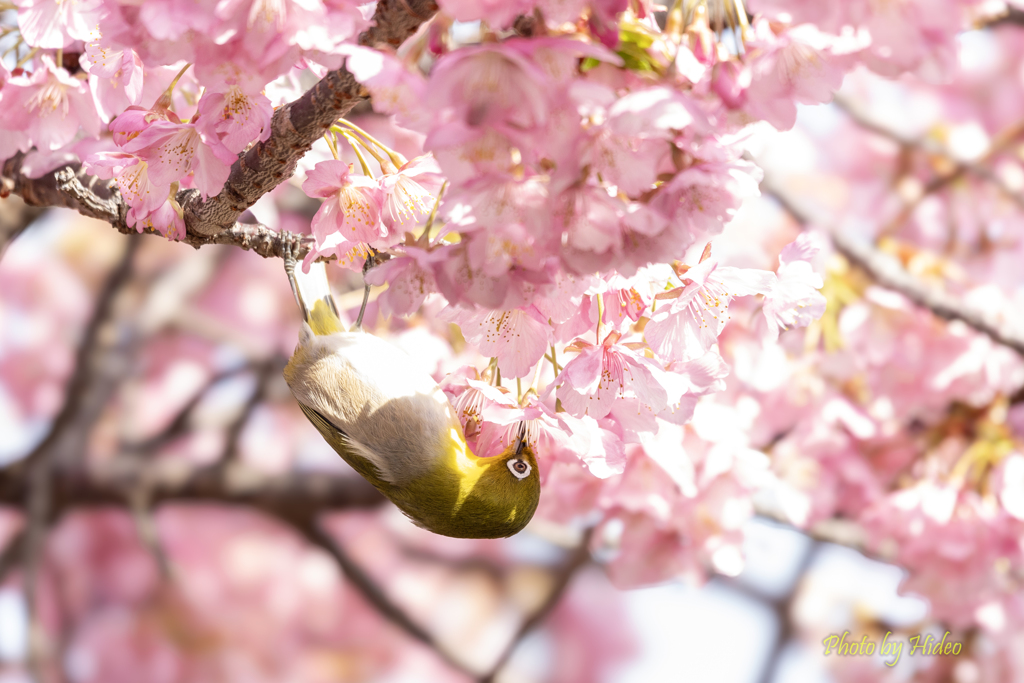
x=392, y=423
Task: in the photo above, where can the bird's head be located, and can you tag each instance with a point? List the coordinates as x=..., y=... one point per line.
x=472, y=497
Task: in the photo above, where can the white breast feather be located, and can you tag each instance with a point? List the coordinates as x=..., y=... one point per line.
x=381, y=398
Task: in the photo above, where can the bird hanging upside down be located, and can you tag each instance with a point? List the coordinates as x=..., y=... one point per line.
x=392, y=423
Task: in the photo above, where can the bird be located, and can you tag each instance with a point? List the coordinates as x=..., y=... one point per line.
x=392, y=423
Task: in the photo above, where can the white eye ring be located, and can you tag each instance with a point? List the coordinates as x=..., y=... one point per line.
x=512, y=463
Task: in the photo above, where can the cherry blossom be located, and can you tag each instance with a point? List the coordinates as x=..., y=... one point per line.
x=794, y=299
x=536, y=182
x=236, y=117
x=408, y=193
x=690, y=323
x=353, y=203
x=594, y=380
x=517, y=338
x=49, y=106
x=118, y=77
x=174, y=150
x=57, y=23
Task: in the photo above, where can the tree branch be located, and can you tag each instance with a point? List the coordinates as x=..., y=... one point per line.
x=264, y=372
x=177, y=426
x=781, y=606
x=579, y=557
x=82, y=389
x=297, y=125
x=15, y=216
x=1012, y=17
x=172, y=481
x=368, y=588
x=249, y=236
x=888, y=272
x=957, y=169
x=294, y=128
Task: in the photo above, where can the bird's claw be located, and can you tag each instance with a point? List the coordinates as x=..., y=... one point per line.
x=373, y=259
x=289, y=248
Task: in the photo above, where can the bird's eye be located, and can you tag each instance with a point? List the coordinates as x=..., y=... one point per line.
x=519, y=467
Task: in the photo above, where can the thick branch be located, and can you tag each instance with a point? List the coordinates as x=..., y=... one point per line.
x=299, y=494
x=887, y=271
x=297, y=125
x=69, y=189
x=294, y=129
x=369, y=589
x=579, y=557
x=15, y=216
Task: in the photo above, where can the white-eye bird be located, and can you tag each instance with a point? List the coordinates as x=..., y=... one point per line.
x=392, y=423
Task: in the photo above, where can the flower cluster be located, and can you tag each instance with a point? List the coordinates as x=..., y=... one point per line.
x=566, y=201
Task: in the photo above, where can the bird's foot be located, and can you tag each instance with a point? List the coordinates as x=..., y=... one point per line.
x=290, y=246
x=373, y=259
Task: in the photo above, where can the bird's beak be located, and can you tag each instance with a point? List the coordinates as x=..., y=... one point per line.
x=521, y=439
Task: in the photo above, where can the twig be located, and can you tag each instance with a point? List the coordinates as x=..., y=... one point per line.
x=177, y=425
x=84, y=371
x=140, y=503
x=887, y=271
x=958, y=168
x=15, y=216
x=369, y=589
x=294, y=129
x=563, y=577
x=264, y=373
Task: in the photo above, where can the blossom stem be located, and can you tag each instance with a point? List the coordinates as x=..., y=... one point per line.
x=28, y=55
x=600, y=315
x=332, y=145
x=177, y=78
x=354, y=138
x=554, y=360
x=355, y=144
x=674, y=21
x=164, y=101
x=425, y=235
x=519, y=390
x=397, y=159
x=59, y=58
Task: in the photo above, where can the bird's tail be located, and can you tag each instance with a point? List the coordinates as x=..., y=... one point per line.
x=313, y=294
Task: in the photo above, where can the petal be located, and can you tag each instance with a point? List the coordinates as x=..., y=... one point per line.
x=326, y=178
x=583, y=373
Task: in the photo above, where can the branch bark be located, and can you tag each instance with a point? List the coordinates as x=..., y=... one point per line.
x=294, y=129
x=887, y=271
x=15, y=216
x=297, y=125
x=368, y=588
x=296, y=494
x=563, y=576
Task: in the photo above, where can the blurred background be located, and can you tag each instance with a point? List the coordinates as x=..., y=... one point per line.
x=173, y=541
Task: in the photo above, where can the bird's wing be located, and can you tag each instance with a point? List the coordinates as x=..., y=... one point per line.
x=366, y=462
x=379, y=397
